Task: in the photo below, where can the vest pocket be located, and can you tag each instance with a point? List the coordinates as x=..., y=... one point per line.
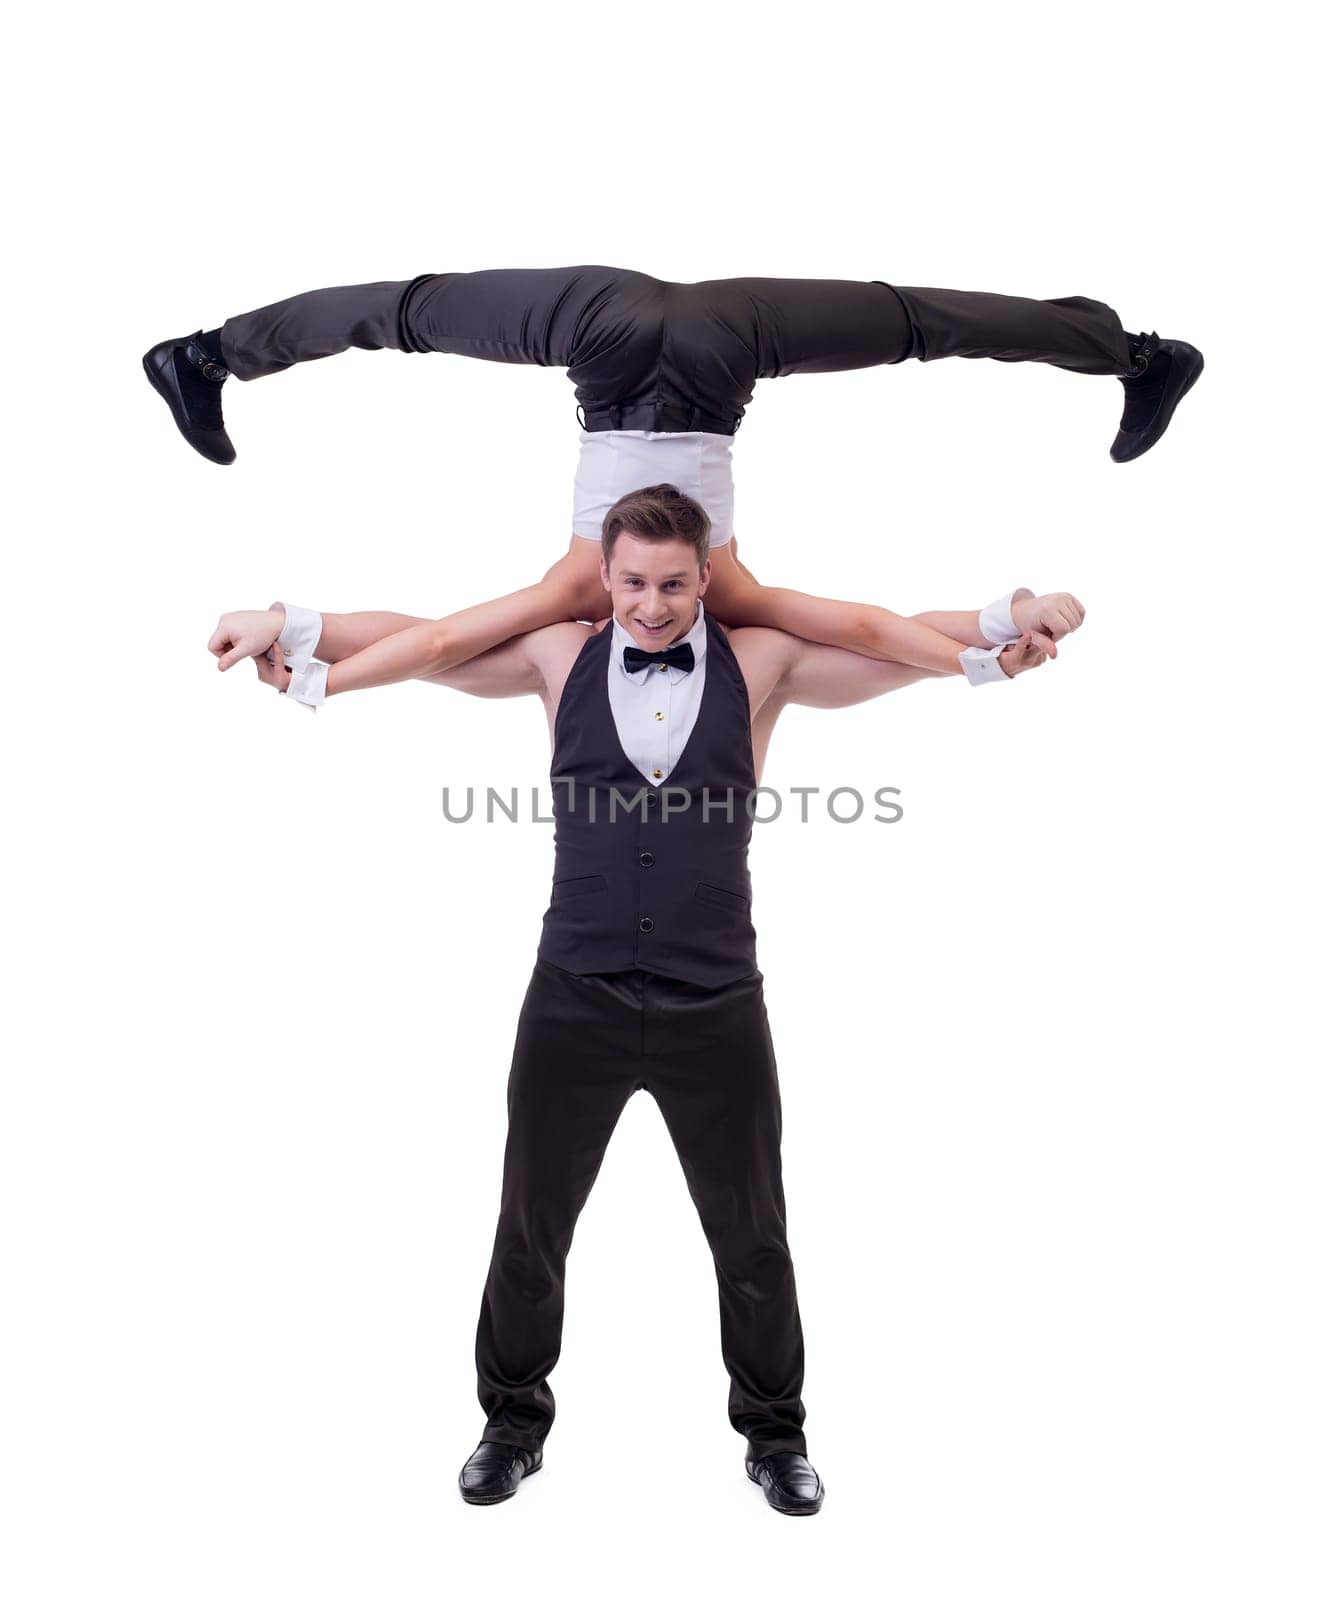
x=564, y=888
x=726, y=898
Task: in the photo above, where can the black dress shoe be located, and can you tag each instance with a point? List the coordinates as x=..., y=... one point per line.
x=190, y=380
x=790, y=1481
x=1167, y=370
x=493, y=1472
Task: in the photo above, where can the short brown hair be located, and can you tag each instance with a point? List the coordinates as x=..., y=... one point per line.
x=659, y=512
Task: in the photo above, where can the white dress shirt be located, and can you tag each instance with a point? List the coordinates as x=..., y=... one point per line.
x=615, y=462
x=298, y=640
x=655, y=708
x=997, y=626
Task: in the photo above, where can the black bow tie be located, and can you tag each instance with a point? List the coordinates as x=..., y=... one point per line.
x=678, y=655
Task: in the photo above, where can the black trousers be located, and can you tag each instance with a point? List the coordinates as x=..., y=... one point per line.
x=672, y=357
x=583, y=1047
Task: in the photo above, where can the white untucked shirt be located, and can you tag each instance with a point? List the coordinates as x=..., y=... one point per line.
x=615, y=462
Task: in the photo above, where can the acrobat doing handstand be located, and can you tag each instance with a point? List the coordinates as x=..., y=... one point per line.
x=663, y=374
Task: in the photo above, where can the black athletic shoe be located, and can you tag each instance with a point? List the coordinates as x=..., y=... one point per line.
x=1167, y=370
x=189, y=380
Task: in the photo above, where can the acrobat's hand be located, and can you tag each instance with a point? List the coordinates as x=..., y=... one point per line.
x=244, y=633
x=1049, y=616
x=1031, y=650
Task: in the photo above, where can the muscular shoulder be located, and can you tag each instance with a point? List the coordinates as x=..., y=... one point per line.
x=762, y=647
x=764, y=656
x=561, y=638
x=553, y=651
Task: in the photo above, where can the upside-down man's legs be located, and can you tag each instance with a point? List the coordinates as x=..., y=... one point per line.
x=667, y=357
x=600, y=323
x=648, y=355
x=795, y=325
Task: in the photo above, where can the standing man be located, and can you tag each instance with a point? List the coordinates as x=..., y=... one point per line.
x=646, y=975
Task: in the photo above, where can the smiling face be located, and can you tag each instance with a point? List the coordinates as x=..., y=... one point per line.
x=654, y=585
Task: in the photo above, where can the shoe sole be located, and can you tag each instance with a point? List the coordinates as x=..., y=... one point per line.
x=1195, y=372
x=496, y=1499
x=806, y=1510
x=158, y=378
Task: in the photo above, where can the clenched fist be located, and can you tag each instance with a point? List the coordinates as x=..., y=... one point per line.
x=1048, y=616
x=240, y=634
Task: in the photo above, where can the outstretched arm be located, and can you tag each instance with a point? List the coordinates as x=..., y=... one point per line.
x=1047, y=616
x=505, y=669
x=501, y=673
x=782, y=669
x=532, y=663
x=931, y=639
x=427, y=649
x=821, y=675
x=366, y=649
x=847, y=624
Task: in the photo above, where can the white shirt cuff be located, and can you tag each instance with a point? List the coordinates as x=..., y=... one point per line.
x=299, y=636
x=307, y=687
x=996, y=622
x=983, y=666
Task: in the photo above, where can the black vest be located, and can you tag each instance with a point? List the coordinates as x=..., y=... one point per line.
x=651, y=878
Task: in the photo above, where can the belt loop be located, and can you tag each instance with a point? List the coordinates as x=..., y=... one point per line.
x=615, y=412
x=737, y=423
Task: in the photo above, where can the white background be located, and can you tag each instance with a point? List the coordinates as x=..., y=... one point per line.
x=1058, y=1112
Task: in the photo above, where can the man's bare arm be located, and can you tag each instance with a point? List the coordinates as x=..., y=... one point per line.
x=502, y=673
x=363, y=635
x=820, y=675
x=505, y=671
x=344, y=634
x=782, y=669
x=532, y=663
x=243, y=634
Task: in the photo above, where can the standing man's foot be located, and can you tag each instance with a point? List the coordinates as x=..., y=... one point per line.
x=790, y=1482
x=1166, y=369
x=190, y=380
x=494, y=1471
